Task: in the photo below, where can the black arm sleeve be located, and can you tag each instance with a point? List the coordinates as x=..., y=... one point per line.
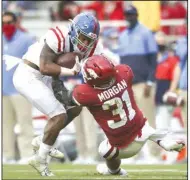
x=71, y=100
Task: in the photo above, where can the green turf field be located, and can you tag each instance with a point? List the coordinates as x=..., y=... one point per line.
x=68, y=171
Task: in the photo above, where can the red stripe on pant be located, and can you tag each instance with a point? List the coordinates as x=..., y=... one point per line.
x=110, y=151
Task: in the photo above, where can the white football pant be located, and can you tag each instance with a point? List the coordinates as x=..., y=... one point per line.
x=37, y=89
x=148, y=133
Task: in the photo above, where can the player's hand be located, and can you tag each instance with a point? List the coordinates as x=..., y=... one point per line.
x=173, y=98
x=147, y=90
x=77, y=67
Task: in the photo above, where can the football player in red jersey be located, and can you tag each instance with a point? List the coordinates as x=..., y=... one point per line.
x=109, y=97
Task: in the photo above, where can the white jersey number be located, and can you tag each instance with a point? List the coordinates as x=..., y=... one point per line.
x=119, y=110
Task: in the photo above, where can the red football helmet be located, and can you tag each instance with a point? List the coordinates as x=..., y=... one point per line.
x=98, y=71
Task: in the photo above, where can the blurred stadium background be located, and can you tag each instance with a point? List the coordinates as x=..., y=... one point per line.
x=36, y=17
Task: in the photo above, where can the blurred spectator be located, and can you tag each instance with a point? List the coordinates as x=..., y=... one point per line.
x=181, y=30
x=180, y=74
x=109, y=38
x=67, y=10
x=19, y=21
x=164, y=74
x=26, y=5
x=5, y=5
x=16, y=109
x=149, y=14
x=178, y=84
x=179, y=11
x=107, y=10
x=86, y=130
x=19, y=5
x=138, y=49
x=171, y=10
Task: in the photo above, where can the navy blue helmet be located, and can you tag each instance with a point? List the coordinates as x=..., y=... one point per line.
x=84, y=32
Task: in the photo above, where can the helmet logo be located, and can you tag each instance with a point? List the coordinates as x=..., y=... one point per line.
x=92, y=73
x=86, y=26
x=92, y=35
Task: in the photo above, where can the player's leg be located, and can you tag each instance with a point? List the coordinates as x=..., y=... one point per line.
x=30, y=83
x=111, y=156
x=72, y=112
x=165, y=139
x=167, y=142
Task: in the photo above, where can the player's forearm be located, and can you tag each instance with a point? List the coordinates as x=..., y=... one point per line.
x=52, y=69
x=47, y=63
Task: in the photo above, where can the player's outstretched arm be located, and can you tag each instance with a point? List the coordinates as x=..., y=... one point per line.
x=62, y=94
x=65, y=97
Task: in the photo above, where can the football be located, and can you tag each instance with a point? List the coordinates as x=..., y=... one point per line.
x=68, y=59
x=173, y=99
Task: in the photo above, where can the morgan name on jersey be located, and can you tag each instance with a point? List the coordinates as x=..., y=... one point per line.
x=112, y=91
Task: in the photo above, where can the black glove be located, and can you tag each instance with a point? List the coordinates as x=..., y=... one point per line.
x=60, y=91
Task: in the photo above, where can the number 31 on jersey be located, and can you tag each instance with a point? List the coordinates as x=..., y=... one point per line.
x=119, y=102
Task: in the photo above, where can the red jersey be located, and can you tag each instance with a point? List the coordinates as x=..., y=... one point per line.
x=165, y=68
x=114, y=109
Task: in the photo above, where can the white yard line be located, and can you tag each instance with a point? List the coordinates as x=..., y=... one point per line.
x=145, y=177
x=130, y=170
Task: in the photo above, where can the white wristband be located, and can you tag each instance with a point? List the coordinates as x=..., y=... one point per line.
x=66, y=72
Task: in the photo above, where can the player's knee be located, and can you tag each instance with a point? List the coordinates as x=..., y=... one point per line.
x=107, y=151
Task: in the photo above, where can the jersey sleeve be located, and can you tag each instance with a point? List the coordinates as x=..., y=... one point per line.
x=126, y=71
x=83, y=96
x=55, y=40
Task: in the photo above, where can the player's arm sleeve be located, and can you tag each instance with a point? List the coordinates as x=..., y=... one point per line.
x=127, y=71
x=81, y=97
x=130, y=74
x=151, y=50
x=55, y=40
